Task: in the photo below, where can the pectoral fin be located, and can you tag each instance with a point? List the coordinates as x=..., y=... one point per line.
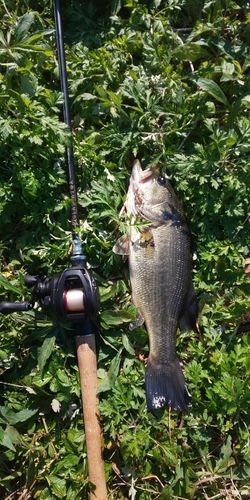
x=147, y=244
x=139, y=320
x=122, y=246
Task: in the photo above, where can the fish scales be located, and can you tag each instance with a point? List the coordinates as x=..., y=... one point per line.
x=160, y=274
x=167, y=285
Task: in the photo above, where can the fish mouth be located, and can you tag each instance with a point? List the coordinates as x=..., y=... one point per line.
x=135, y=198
x=142, y=176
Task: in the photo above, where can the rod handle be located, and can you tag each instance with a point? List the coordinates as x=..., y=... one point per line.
x=86, y=354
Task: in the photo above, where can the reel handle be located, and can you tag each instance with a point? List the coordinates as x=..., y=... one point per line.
x=11, y=307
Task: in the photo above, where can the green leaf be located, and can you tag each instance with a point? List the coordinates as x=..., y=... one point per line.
x=127, y=345
x=63, y=378
x=72, y=493
x=6, y=128
x=24, y=25
x=71, y=460
x=225, y=459
x=38, y=36
x=46, y=494
x=8, y=286
x=31, y=473
x=214, y=90
x=154, y=160
x=27, y=86
x=190, y=51
x=58, y=486
x=109, y=380
x=87, y=97
x=15, y=418
x=114, y=318
x=246, y=99
x=115, y=7
x=2, y=39
x=45, y=351
x=15, y=436
x=240, y=473
x=5, y=440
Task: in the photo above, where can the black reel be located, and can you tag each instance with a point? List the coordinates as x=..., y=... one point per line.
x=73, y=295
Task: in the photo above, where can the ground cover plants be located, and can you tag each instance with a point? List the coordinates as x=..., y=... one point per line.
x=164, y=81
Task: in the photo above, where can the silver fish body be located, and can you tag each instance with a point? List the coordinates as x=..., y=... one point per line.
x=160, y=268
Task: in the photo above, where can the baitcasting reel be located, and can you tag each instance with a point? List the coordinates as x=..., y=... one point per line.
x=73, y=295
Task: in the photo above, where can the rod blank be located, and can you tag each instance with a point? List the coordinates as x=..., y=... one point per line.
x=66, y=112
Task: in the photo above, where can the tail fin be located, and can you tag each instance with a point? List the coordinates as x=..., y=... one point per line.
x=166, y=386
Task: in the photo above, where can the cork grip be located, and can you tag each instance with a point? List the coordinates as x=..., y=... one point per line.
x=86, y=354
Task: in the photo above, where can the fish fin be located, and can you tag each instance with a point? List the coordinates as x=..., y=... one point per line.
x=166, y=386
x=139, y=320
x=188, y=319
x=147, y=244
x=122, y=246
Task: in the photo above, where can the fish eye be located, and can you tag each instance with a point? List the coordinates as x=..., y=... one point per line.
x=161, y=181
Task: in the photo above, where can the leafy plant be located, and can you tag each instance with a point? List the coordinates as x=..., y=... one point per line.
x=167, y=82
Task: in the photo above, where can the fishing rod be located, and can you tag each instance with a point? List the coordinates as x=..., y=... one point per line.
x=73, y=295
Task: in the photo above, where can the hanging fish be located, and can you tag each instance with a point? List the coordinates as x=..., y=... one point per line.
x=160, y=267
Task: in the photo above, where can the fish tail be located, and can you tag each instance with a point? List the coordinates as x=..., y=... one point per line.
x=166, y=386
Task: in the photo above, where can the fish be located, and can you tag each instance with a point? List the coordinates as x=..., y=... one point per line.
x=158, y=248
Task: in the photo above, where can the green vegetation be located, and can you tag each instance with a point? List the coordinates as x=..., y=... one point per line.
x=166, y=81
